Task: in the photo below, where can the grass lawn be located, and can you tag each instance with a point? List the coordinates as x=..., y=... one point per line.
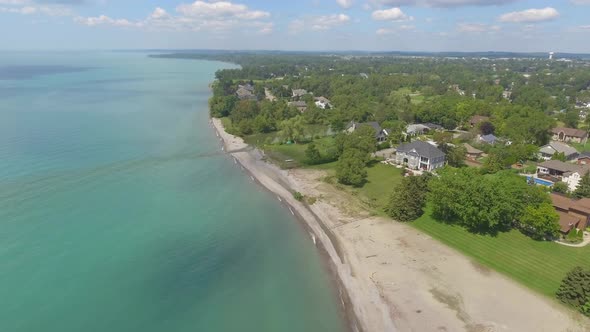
x=581, y=147
x=538, y=265
x=296, y=152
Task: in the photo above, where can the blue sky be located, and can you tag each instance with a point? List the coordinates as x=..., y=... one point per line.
x=406, y=25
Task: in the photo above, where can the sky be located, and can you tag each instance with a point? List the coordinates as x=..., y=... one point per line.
x=307, y=25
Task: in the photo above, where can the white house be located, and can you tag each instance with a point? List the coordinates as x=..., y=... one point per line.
x=323, y=102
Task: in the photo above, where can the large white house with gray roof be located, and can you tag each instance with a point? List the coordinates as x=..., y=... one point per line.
x=420, y=155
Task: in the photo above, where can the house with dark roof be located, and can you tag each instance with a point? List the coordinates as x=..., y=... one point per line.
x=381, y=134
x=547, y=152
x=584, y=158
x=573, y=214
x=420, y=155
x=488, y=139
x=569, y=135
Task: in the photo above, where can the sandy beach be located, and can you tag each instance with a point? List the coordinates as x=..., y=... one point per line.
x=396, y=278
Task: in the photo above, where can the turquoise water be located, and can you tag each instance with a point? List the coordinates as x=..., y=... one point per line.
x=118, y=213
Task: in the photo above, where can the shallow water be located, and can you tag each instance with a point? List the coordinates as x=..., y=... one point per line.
x=118, y=213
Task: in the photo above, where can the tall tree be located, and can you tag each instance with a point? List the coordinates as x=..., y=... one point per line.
x=313, y=154
x=583, y=189
x=408, y=198
x=351, y=168
x=541, y=222
x=575, y=289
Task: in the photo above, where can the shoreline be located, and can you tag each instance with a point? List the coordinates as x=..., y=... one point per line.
x=390, y=276
x=323, y=239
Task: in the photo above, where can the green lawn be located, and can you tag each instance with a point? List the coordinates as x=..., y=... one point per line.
x=296, y=152
x=537, y=265
x=381, y=179
x=581, y=147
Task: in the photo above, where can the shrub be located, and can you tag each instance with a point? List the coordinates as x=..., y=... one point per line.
x=298, y=196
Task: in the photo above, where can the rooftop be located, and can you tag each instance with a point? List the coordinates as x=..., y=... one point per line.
x=422, y=148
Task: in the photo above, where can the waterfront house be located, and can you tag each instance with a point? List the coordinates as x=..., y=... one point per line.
x=381, y=134
x=562, y=134
x=420, y=155
x=546, y=152
x=245, y=92
x=572, y=213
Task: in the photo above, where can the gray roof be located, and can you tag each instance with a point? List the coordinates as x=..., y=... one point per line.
x=414, y=128
x=564, y=167
x=553, y=147
x=422, y=148
x=489, y=138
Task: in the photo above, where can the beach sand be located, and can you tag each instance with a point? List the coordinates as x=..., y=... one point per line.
x=396, y=278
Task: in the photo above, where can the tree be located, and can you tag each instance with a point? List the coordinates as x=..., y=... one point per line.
x=455, y=154
x=486, y=128
x=313, y=154
x=351, y=168
x=540, y=222
x=575, y=289
x=560, y=187
x=583, y=189
x=408, y=198
x=559, y=156
x=293, y=129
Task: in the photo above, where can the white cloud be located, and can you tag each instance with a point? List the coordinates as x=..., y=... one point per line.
x=318, y=23
x=345, y=3
x=439, y=3
x=105, y=20
x=220, y=9
x=214, y=16
x=530, y=15
x=392, y=14
x=55, y=10
x=476, y=27
x=584, y=27
x=159, y=14
x=384, y=31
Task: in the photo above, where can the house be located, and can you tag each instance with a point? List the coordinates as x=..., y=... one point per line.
x=488, y=139
x=420, y=155
x=572, y=213
x=323, y=102
x=506, y=94
x=546, y=152
x=556, y=170
x=433, y=126
x=416, y=129
x=457, y=89
x=477, y=119
x=245, y=92
x=569, y=135
x=364, y=75
x=298, y=93
x=584, y=158
x=300, y=105
x=381, y=134
x=472, y=153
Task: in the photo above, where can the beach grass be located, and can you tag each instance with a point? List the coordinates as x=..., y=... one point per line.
x=539, y=265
